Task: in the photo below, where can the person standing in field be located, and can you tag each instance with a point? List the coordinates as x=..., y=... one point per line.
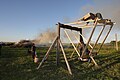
x=34, y=54
x=33, y=50
x=0, y=48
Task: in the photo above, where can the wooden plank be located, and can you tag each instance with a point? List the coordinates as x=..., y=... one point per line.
x=77, y=39
x=94, y=61
x=68, y=66
x=105, y=38
x=90, y=37
x=46, y=55
x=74, y=51
x=86, y=40
x=58, y=47
x=81, y=38
x=98, y=38
x=107, y=21
x=79, y=43
x=116, y=42
x=69, y=27
x=72, y=42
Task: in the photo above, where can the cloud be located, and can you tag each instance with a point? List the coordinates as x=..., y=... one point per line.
x=109, y=10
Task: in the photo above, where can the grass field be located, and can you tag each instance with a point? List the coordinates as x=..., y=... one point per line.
x=16, y=64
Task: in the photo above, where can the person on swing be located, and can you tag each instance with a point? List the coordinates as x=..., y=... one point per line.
x=86, y=54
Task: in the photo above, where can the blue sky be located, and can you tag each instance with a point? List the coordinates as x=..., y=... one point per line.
x=25, y=19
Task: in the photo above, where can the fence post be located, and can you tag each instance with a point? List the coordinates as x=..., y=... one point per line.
x=116, y=42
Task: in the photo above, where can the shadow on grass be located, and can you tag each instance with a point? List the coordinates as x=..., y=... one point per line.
x=107, y=62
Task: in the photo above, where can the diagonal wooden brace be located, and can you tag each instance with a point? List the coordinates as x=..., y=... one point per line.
x=68, y=66
x=46, y=55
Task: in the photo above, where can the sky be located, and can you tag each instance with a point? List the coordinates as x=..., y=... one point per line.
x=25, y=19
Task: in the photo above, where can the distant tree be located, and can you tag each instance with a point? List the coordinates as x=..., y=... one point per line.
x=112, y=42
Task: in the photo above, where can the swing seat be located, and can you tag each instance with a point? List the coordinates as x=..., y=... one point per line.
x=84, y=59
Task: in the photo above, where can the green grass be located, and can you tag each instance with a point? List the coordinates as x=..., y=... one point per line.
x=16, y=64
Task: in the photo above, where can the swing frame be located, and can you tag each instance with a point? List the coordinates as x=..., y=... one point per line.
x=58, y=42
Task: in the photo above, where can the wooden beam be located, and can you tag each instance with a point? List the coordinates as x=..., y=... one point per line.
x=90, y=37
x=94, y=61
x=58, y=46
x=86, y=40
x=107, y=21
x=77, y=39
x=69, y=27
x=79, y=43
x=46, y=55
x=105, y=38
x=98, y=38
x=74, y=51
x=81, y=38
x=68, y=66
x=116, y=41
x=72, y=42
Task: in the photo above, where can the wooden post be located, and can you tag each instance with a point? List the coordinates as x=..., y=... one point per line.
x=95, y=24
x=58, y=46
x=81, y=39
x=46, y=55
x=94, y=61
x=86, y=40
x=68, y=66
x=72, y=42
x=74, y=51
x=98, y=37
x=116, y=42
x=79, y=44
x=105, y=38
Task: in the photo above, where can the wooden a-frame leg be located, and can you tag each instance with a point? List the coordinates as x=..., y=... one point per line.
x=94, y=61
x=93, y=30
x=73, y=51
x=46, y=55
x=68, y=66
x=72, y=43
x=97, y=39
x=105, y=38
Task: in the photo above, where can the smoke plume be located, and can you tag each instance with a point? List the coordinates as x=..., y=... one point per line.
x=46, y=36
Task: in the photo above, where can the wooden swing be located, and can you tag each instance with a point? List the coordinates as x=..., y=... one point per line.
x=89, y=20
